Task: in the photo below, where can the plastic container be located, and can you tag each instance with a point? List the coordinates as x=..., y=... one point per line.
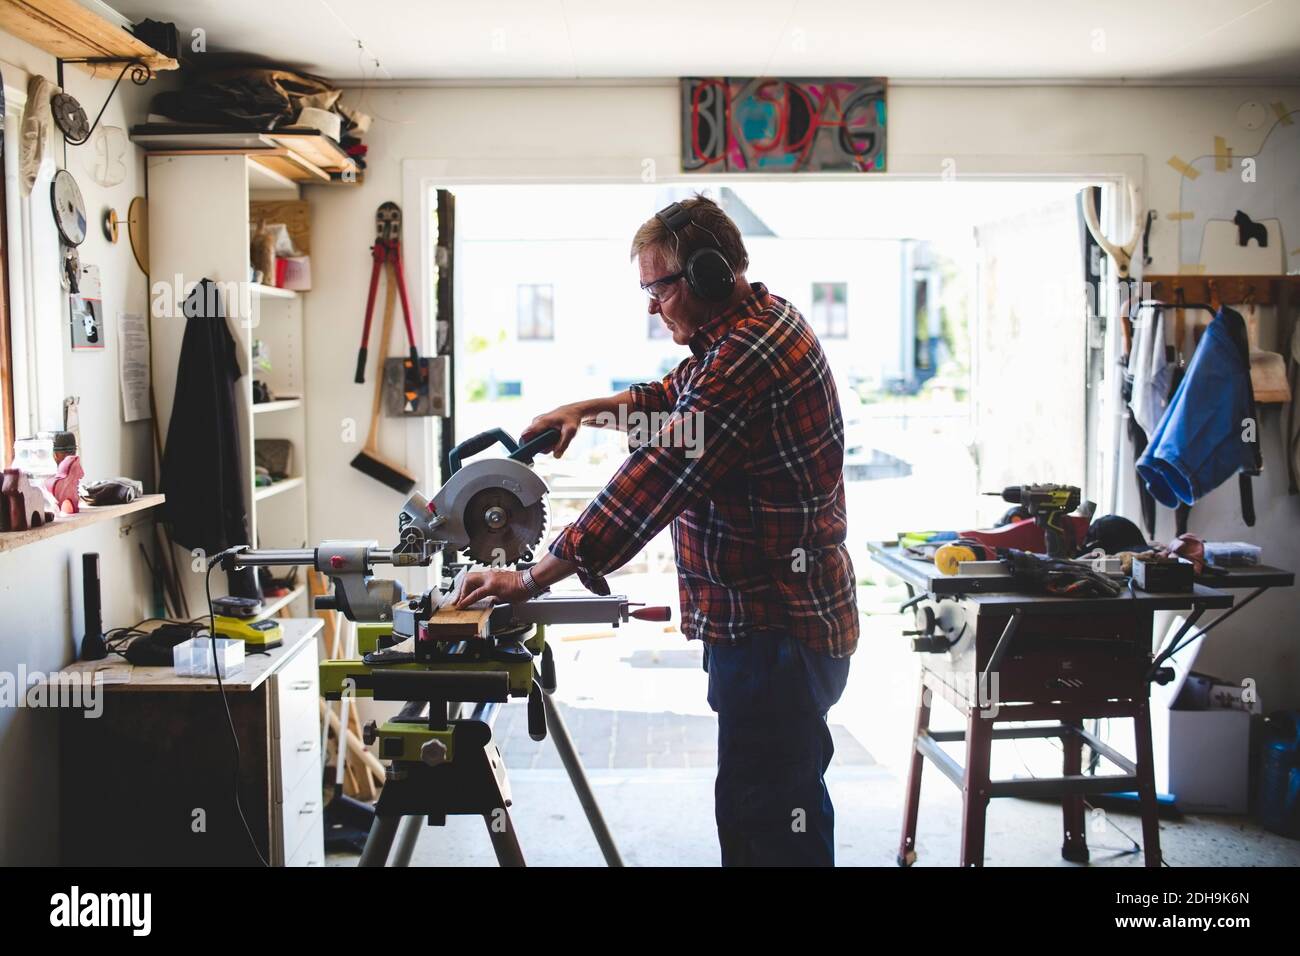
x=1232, y=554
x=193, y=658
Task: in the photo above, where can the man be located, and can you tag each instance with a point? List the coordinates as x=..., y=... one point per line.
x=756, y=503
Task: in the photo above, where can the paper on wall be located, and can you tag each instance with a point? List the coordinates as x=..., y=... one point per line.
x=133, y=365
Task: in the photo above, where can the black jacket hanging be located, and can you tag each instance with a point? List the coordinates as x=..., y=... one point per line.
x=203, y=471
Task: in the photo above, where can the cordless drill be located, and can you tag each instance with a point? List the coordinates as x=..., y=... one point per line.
x=1047, y=505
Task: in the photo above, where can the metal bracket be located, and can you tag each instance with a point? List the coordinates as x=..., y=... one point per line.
x=140, y=75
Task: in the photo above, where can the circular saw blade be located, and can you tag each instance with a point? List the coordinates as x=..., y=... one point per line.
x=500, y=528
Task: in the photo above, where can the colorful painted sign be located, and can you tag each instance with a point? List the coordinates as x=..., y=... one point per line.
x=767, y=125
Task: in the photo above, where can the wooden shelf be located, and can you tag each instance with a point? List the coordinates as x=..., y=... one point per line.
x=270, y=491
x=286, y=156
x=272, y=605
x=271, y=292
x=1228, y=289
x=281, y=405
x=62, y=524
x=66, y=29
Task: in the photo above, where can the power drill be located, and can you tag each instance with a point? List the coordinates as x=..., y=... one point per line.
x=1047, y=505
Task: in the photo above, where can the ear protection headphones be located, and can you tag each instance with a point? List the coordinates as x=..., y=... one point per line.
x=707, y=272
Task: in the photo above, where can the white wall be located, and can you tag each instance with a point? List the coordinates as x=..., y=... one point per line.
x=40, y=585
x=602, y=133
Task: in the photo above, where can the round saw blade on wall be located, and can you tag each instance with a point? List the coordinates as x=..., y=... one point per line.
x=69, y=209
x=500, y=528
x=70, y=118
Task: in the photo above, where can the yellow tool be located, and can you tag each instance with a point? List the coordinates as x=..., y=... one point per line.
x=236, y=618
x=262, y=635
x=949, y=556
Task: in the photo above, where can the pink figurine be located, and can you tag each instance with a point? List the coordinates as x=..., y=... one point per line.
x=64, y=486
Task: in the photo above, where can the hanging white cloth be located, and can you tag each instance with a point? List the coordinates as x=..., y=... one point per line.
x=1150, y=367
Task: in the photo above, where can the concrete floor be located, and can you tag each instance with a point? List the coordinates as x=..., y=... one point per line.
x=634, y=702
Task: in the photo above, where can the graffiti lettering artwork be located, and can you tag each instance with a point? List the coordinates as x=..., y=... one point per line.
x=766, y=125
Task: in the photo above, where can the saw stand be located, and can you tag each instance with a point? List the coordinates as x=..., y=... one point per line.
x=444, y=761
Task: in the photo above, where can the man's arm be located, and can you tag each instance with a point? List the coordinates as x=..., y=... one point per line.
x=569, y=418
x=703, y=440
x=604, y=412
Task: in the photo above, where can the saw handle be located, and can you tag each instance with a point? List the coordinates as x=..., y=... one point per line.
x=524, y=454
x=539, y=444
x=479, y=443
x=659, y=612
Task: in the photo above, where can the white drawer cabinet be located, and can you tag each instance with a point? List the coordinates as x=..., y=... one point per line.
x=296, y=758
x=162, y=757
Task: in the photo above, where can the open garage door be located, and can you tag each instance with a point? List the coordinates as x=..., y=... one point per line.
x=1029, y=364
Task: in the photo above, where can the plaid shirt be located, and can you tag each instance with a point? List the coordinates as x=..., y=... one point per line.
x=745, y=458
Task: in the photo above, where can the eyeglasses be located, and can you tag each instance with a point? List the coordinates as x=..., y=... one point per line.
x=658, y=288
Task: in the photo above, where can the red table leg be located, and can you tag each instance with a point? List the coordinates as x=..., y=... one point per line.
x=912, y=808
x=1074, y=847
x=1146, y=773
x=975, y=789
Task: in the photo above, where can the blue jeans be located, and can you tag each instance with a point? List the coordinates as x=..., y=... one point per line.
x=771, y=695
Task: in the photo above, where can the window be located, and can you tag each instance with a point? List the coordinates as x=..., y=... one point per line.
x=535, y=310
x=830, y=310
x=655, y=328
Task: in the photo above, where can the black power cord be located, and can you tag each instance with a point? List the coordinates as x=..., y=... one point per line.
x=230, y=721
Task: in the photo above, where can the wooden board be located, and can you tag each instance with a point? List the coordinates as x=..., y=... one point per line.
x=315, y=148
x=289, y=165
x=12, y=540
x=451, y=624
x=294, y=213
x=68, y=30
x=1216, y=289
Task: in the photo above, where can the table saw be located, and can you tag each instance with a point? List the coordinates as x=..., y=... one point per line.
x=1000, y=655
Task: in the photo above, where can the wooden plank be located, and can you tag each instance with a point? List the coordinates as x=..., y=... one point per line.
x=290, y=165
x=315, y=148
x=62, y=524
x=294, y=213
x=452, y=624
x=68, y=30
x=1216, y=289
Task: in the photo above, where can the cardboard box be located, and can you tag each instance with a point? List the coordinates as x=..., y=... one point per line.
x=1202, y=757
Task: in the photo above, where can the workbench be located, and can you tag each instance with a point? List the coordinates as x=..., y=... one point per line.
x=151, y=780
x=1002, y=655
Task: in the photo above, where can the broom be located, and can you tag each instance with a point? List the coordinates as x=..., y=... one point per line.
x=369, y=461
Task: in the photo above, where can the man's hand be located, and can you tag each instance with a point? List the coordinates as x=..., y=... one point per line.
x=506, y=586
x=567, y=418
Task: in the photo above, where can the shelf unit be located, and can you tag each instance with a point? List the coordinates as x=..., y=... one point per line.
x=199, y=228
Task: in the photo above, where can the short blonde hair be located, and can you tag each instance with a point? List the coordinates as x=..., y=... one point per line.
x=709, y=226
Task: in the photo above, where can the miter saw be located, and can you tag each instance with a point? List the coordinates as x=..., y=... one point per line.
x=454, y=678
x=494, y=509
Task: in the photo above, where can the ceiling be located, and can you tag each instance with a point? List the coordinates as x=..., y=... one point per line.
x=1026, y=40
